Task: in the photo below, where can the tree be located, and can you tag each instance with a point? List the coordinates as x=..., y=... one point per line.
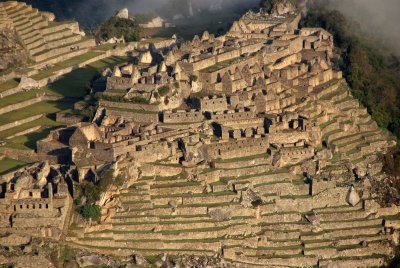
x=91, y=212
x=117, y=27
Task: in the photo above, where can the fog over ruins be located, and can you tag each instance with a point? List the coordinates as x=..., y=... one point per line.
x=245, y=149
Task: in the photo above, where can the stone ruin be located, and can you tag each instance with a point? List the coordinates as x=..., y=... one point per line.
x=247, y=146
x=35, y=201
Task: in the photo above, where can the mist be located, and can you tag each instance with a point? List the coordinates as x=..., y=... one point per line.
x=380, y=18
x=90, y=13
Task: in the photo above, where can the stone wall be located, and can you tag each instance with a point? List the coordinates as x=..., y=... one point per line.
x=233, y=116
x=136, y=116
x=23, y=104
x=237, y=148
x=129, y=106
x=26, y=131
x=20, y=122
x=211, y=104
x=183, y=117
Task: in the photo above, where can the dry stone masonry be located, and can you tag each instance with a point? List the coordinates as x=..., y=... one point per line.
x=40, y=35
x=248, y=147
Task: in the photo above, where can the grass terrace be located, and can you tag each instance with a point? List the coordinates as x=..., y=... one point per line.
x=8, y=85
x=72, y=87
x=65, y=64
x=8, y=165
x=221, y=65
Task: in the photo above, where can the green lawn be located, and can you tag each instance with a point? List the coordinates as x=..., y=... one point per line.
x=65, y=64
x=16, y=98
x=44, y=121
x=221, y=65
x=8, y=165
x=38, y=108
x=28, y=141
x=8, y=85
x=74, y=84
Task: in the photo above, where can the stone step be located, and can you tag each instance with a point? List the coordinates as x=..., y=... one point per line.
x=356, y=136
x=334, y=234
x=261, y=251
x=350, y=224
x=357, y=207
x=152, y=247
x=355, y=262
x=137, y=205
x=65, y=49
x=134, y=197
x=246, y=171
x=341, y=216
x=260, y=160
x=273, y=261
x=73, y=38
x=281, y=218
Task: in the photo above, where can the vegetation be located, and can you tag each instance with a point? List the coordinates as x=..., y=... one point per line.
x=117, y=27
x=371, y=72
x=113, y=98
x=193, y=78
x=8, y=165
x=163, y=91
x=91, y=212
x=91, y=192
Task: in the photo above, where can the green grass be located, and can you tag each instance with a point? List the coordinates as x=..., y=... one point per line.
x=8, y=165
x=8, y=85
x=28, y=141
x=35, y=109
x=23, y=96
x=44, y=121
x=65, y=64
x=221, y=65
x=73, y=85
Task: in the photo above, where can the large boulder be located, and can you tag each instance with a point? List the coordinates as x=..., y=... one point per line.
x=283, y=7
x=27, y=83
x=123, y=14
x=352, y=197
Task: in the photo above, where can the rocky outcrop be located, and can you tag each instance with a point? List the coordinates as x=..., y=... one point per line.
x=123, y=13
x=352, y=197
x=282, y=7
x=28, y=83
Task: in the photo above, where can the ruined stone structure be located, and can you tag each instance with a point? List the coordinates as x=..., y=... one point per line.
x=254, y=162
x=248, y=146
x=34, y=203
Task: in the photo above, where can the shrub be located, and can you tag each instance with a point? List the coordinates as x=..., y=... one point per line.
x=91, y=191
x=139, y=99
x=117, y=27
x=194, y=78
x=163, y=91
x=91, y=212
